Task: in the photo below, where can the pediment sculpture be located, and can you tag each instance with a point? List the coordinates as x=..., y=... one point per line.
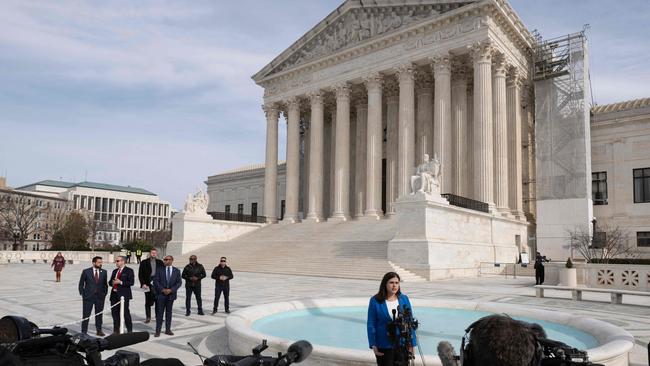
x=426, y=178
x=196, y=203
x=360, y=24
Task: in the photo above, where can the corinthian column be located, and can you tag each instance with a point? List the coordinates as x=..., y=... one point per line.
x=515, y=197
x=392, y=121
x=406, y=132
x=424, y=117
x=460, y=144
x=483, y=153
x=293, y=161
x=500, y=134
x=271, y=166
x=442, y=118
x=316, y=158
x=342, y=154
x=360, y=156
x=374, y=144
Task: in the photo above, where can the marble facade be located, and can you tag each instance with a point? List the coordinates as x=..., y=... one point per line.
x=440, y=77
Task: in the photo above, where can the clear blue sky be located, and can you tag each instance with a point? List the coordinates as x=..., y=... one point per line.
x=158, y=95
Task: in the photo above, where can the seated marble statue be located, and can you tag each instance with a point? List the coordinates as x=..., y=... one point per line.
x=428, y=175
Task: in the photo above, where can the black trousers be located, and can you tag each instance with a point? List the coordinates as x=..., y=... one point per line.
x=539, y=276
x=389, y=357
x=218, y=289
x=164, y=308
x=115, y=311
x=188, y=298
x=88, y=305
x=149, y=301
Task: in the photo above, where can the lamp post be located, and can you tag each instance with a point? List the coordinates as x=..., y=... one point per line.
x=16, y=234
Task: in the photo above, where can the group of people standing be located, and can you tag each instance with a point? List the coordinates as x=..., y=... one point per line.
x=159, y=280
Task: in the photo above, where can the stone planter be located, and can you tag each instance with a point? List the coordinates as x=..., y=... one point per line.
x=568, y=277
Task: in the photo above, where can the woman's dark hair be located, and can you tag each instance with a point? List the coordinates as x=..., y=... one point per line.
x=383, y=294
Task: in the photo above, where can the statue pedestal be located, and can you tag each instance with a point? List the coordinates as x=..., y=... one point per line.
x=195, y=230
x=436, y=240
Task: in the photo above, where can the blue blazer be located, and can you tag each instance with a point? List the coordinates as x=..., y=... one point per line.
x=160, y=282
x=87, y=284
x=378, y=319
x=127, y=277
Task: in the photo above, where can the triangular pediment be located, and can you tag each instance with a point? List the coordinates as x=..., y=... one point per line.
x=356, y=22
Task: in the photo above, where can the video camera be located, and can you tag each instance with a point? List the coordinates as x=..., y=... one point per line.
x=556, y=353
x=27, y=344
x=297, y=352
x=400, y=332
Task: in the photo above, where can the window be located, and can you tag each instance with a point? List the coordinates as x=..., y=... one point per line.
x=282, y=208
x=599, y=188
x=254, y=209
x=227, y=209
x=240, y=209
x=643, y=238
x=642, y=185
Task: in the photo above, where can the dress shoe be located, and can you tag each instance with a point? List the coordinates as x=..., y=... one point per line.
x=187, y=313
x=169, y=332
x=201, y=312
x=148, y=320
x=157, y=334
x=100, y=333
x=228, y=311
x=214, y=311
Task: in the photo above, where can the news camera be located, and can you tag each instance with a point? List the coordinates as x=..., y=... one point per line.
x=297, y=352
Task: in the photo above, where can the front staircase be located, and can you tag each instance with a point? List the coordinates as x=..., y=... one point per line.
x=354, y=249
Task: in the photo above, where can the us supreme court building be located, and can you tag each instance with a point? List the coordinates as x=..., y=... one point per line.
x=376, y=85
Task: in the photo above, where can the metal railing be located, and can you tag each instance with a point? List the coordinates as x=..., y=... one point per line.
x=505, y=269
x=230, y=216
x=465, y=202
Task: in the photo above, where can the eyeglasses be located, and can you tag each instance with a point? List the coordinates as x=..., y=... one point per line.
x=222, y=261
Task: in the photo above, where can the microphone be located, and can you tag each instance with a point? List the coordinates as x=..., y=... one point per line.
x=447, y=354
x=394, y=312
x=297, y=352
x=123, y=340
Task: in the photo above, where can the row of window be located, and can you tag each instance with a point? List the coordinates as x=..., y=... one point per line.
x=103, y=204
x=641, y=179
x=240, y=209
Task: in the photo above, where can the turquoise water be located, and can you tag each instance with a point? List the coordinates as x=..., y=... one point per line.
x=345, y=327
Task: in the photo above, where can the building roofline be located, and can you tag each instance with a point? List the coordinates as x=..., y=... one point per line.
x=621, y=106
x=93, y=185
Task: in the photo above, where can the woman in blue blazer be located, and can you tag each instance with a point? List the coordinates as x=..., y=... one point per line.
x=380, y=314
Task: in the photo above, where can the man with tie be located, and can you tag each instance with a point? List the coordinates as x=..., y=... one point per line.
x=166, y=282
x=121, y=281
x=93, y=288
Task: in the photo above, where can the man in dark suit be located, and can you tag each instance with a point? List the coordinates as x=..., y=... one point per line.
x=146, y=272
x=121, y=281
x=221, y=274
x=93, y=287
x=166, y=282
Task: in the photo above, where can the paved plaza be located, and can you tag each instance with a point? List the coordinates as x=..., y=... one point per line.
x=29, y=290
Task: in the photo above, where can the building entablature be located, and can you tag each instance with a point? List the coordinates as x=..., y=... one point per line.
x=421, y=35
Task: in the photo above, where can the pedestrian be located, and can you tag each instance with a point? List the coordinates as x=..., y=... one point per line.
x=121, y=281
x=146, y=272
x=93, y=287
x=138, y=254
x=221, y=274
x=539, y=268
x=58, y=263
x=128, y=256
x=167, y=282
x=193, y=273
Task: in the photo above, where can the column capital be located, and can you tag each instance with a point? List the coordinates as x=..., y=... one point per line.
x=391, y=88
x=315, y=97
x=374, y=80
x=481, y=51
x=405, y=72
x=441, y=64
x=499, y=64
x=271, y=110
x=293, y=103
x=459, y=72
x=514, y=77
x=424, y=82
x=360, y=97
x=342, y=90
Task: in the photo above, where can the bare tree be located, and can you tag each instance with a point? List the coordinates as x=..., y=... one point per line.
x=20, y=214
x=612, y=244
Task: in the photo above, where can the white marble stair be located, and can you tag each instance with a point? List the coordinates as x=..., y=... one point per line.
x=405, y=275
